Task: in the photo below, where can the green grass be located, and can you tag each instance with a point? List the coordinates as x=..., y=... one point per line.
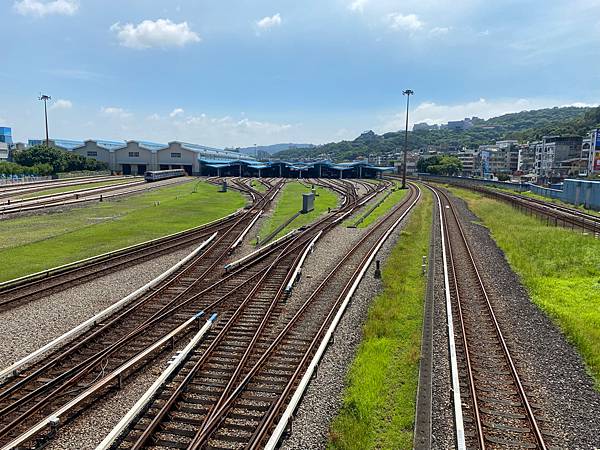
x=379, y=401
x=258, y=186
x=560, y=269
x=59, y=190
x=290, y=202
x=30, y=244
x=383, y=208
x=559, y=202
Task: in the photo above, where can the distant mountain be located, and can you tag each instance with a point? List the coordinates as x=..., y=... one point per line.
x=272, y=149
x=523, y=126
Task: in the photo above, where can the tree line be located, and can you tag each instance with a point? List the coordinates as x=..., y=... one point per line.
x=524, y=126
x=43, y=160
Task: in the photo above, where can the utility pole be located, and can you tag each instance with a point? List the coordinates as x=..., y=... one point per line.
x=408, y=93
x=45, y=98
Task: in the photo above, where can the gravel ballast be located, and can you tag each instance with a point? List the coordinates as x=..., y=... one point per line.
x=323, y=398
x=31, y=325
x=545, y=359
x=553, y=370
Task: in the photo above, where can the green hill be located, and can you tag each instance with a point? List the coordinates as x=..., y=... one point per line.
x=524, y=126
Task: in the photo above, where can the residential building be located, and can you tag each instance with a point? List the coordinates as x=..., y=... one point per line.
x=551, y=151
x=526, y=159
x=424, y=126
x=460, y=125
x=499, y=158
x=467, y=158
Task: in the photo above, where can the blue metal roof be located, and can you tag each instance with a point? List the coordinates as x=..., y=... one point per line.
x=151, y=145
x=111, y=145
x=67, y=144
x=296, y=165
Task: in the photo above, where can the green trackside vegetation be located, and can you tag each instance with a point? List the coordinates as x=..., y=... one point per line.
x=258, y=186
x=559, y=202
x=290, y=202
x=379, y=401
x=383, y=208
x=34, y=243
x=541, y=197
x=559, y=268
x=64, y=189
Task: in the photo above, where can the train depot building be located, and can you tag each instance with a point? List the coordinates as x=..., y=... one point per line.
x=138, y=157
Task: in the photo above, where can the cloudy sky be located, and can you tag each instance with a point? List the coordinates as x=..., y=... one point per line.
x=240, y=72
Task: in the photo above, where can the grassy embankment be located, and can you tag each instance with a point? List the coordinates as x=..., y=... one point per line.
x=30, y=244
x=559, y=268
x=546, y=199
x=290, y=202
x=379, y=401
x=64, y=189
x=383, y=208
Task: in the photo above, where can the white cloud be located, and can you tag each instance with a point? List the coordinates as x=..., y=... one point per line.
x=269, y=22
x=409, y=22
x=153, y=117
x=176, y=112
x=42, y=8
x=118, y=113
x=62, y=104
x=439, y=31
x=358, y=5
x=161, y=33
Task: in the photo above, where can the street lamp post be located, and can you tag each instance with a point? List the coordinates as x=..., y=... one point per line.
x=408, y=93
x=45, y=99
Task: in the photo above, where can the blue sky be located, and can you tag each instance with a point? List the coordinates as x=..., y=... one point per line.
x=240, y=72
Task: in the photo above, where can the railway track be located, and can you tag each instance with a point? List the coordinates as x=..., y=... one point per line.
x=553, y=213
x=29, y=393
x=36, y=390
x=71, y=198
x=232, y=389
x=47, y=282
x=35, y=186
x=492, y=403
x=570, y=217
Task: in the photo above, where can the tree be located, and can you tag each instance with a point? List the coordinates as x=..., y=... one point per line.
x=57, y=160
x=440, y=165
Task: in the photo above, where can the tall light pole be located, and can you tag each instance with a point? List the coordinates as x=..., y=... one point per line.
x=408, y=93
x=45, y=98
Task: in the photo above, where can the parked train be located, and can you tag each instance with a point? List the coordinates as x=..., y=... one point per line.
x=155, y=175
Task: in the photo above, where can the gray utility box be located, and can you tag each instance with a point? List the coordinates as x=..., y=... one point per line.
x=308, y=202
x=224, y=186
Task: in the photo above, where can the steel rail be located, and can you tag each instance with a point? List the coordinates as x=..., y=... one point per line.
x=158, y=417
x=570, y=217
x=8, y=209
x=457, y=400
x=74, y=193
x=157, y=315
x=20, y=288
x=307, y=245
x=90, y=362
x=54, y=419
x=312, y=367
x=449, y=210
x=51, y=184
x=203, y=434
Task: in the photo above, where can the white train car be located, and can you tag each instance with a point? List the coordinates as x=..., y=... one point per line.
x=155, y=175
